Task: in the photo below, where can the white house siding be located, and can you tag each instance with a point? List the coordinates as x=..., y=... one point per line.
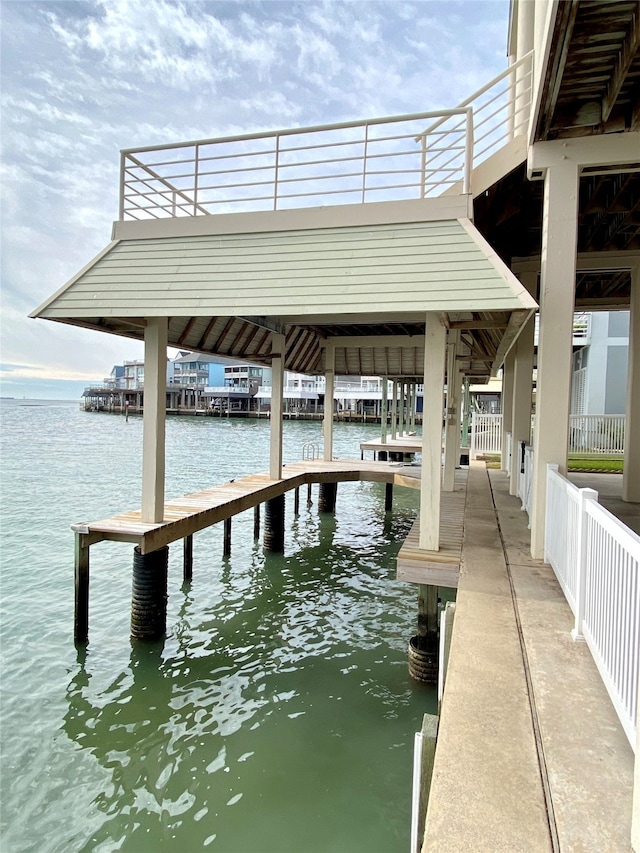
x=406, y=268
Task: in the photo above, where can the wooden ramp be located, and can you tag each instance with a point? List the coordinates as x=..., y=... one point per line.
x=438, y=568
x=187, y=515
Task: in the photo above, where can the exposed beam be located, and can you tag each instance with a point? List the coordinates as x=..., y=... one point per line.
x=478, y=324
x=375, y=341
x=265, y=323
x=516, y=322
x=625, y=57
x=565, y=20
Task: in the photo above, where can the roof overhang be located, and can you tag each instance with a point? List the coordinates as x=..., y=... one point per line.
x=225, y=286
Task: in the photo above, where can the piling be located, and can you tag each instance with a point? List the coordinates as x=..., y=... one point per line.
x=149, y=594
x=309, y=501
x=274, y=524
x=256, y=521
x=388, y=497
x=327, y=497
x=81, y=585
x=423, y=647
x=296, y=501
x=187, y=551
x=226, y=547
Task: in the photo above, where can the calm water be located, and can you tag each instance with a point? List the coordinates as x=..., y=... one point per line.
x=276, y=716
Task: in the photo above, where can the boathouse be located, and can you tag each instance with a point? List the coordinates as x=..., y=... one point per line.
x=416, y=248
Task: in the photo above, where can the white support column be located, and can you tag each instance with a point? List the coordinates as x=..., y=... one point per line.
x=394, y=409
x=635, y=808
x=401, y=401
x=384, y=388
x=277, y=391
x=508, y=370
x=434, y=354
x=557, y=286
x=452, y=428
x=522, y=388
x=327, y=423
x=631, y=476
x=153, y=420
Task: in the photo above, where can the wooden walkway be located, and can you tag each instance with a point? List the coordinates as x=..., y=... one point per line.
x=439, y=568
x=191, y=513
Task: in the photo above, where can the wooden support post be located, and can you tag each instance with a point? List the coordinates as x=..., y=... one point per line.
x=226, y=547
x=384, y=410
x=394, y=410
x=327, y=423
x=277, y=384
x=434, y=352
x=256, y=521
x=274, y=524
x=309, y=501
x=427, y=609
x=631, y=476
x=153, y=420
x=81, y=582
x=296, y=501
x=388, y=497
x=555, y=353
x=149, y=594
x=522, y=393
x=187, y=551
x=327, y=497
x=452, y=428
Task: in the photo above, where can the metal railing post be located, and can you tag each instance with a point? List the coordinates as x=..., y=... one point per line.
x=468, y=165
x=275, y=174
x=122, y=171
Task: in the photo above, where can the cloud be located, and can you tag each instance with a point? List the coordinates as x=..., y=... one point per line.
x=82, y=80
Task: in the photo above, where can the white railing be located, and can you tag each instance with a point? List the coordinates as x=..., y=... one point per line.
x=596, y=434
x=596, y=559
x=581, y=329
x=588, y=434
x=508, y=451
x=486, y=434
x=352, y=162
x=524, y=461
x=382, y=159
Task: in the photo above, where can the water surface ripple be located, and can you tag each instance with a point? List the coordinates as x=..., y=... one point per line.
x=276, y=716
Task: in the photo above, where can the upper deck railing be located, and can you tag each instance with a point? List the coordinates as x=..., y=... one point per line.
x=385, y=159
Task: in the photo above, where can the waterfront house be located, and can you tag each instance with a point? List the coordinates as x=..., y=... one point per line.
x=396, y=246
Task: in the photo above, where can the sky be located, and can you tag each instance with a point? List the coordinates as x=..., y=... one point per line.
x=81, y=80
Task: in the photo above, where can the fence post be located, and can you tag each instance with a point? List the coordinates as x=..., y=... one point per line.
x=551, y=468
x=472, y=444
x=584, y=495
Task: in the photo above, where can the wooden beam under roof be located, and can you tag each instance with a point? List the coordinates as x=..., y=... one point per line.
x=622, y=64
x=516, y=322
x=564, y=24
x=478, y=324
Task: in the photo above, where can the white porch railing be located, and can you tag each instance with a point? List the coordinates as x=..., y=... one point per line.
x=352, y=162
x=508, y=438
x=525, y=475
x=596, y=559
x=486, y=434
x=596, y=434
x=385, y=159
x=588, y=434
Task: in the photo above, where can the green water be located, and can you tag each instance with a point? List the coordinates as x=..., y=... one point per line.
x=276, y=716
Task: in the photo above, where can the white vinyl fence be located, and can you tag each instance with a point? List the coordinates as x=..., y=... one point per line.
x=596, y=559
x=588, y=434
x=486, y=434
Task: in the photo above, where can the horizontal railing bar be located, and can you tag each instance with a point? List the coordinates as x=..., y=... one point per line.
x=444, y=114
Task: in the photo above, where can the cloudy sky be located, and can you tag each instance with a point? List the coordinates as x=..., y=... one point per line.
x=81, y=80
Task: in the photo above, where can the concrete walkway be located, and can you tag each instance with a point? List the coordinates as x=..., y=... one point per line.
x=530, y=754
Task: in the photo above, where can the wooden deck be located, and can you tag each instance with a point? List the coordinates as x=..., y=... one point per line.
x=439, y=568
x=188, y=514
x=401, y=444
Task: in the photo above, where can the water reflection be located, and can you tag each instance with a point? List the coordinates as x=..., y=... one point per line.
x=278, y=717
